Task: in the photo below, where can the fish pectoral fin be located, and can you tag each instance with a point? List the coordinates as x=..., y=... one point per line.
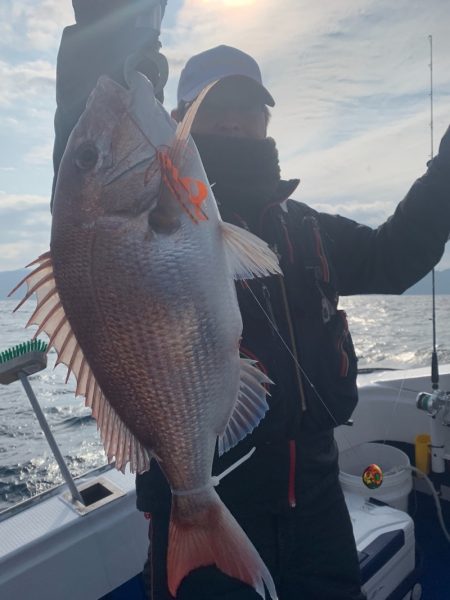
x=249, y=256
x=50, y=317
x=250, y=407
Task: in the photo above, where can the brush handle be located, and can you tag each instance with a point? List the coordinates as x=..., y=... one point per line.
x=50, y=439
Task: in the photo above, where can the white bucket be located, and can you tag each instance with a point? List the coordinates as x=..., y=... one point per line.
x=397, y=478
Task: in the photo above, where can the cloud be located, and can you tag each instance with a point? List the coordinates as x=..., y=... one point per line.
x=30, y=82
x=16, y=255
x=36, y=25
x=334, y=73
x=353, y=45
x=24, y=229
x=40, y=155
x=26, y=105
x=351, y=84
x=21, y=202
x=375, y=163
x=44, y=22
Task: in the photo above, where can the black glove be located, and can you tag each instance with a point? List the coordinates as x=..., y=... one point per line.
x=87, y=11
x=105, y=34
x=444, y=146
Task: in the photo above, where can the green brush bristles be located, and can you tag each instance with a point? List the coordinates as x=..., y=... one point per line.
x=21, y=349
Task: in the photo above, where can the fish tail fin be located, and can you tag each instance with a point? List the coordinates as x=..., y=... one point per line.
x=213, y=537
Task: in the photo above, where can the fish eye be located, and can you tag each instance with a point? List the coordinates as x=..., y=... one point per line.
x=86, y=156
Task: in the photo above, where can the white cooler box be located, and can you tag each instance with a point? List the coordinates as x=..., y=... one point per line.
x=386, y=549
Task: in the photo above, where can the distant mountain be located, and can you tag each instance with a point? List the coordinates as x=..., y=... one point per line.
x=442, y=284
x=8, y=279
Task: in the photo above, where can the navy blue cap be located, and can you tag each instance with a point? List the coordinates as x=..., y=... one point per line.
x=217, y=63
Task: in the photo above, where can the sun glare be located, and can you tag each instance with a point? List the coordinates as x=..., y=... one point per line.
x=230, y=3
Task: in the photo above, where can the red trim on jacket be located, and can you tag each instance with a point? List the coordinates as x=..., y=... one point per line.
x=321, y=255
x=291, y=486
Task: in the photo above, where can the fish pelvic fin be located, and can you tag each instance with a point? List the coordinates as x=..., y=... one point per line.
x=248, y=255
x=250, y=407
x=212, y=537
x=120, y=444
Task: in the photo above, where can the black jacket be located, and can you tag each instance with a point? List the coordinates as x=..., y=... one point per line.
x=293, y=327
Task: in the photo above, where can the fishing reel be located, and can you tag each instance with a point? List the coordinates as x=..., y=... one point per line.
x=437, y=405
x=434, y=403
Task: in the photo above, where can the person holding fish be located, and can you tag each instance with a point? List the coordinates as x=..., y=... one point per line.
x=233, y=389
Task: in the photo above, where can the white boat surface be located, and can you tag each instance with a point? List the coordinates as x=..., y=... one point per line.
x=54, y=549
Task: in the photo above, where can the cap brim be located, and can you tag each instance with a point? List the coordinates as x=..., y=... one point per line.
x=261, y=91
x=266, y=97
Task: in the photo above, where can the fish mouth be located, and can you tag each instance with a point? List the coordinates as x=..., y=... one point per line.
x=106, y=91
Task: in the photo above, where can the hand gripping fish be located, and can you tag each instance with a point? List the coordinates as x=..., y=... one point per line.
x=137, y=296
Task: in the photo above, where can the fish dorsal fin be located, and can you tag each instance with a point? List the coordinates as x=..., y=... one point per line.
x=185, y=125
x=119, y=443
x=248, y=255
x=183, y=129
x=250, y=407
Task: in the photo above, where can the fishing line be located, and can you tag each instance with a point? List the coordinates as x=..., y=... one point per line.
x=436, y=499
x=394, y=408
x=215, y=479
x=303, y=372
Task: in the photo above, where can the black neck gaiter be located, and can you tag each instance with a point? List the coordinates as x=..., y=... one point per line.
x=244, y=173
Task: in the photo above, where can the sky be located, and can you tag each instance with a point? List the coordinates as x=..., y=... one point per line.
x=351, y=80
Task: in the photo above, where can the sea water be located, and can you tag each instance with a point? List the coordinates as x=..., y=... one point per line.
x=388, y=331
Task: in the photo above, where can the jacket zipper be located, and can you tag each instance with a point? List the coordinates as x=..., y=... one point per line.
x=292, y=500
x=321, y=252
x=293, y=346
x=273, y=322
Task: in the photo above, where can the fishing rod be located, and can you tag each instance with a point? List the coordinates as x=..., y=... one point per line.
x=434, y=357
x=436, y=404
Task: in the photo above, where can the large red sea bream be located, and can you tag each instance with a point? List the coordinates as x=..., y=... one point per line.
x=138, y=298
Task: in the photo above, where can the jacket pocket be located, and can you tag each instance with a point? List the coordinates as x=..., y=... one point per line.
x=345, y=351
x=335, y=393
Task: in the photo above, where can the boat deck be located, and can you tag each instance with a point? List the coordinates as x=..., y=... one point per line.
x=432, y=554
x=433, y=550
